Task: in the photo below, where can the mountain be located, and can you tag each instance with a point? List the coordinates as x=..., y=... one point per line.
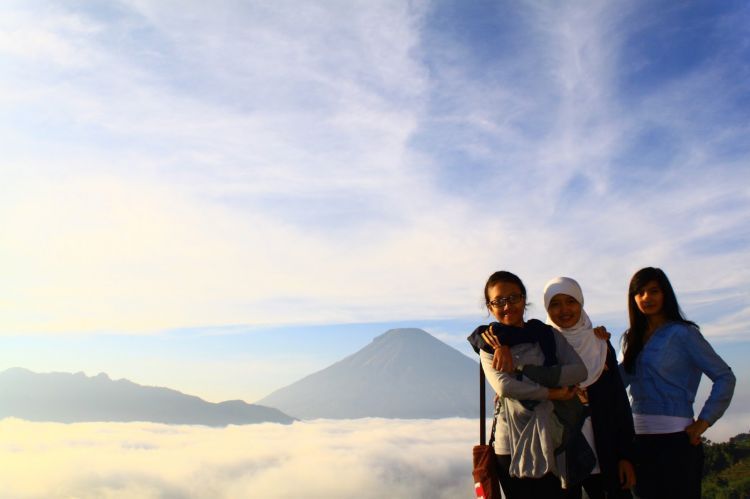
x=403, y=373
x=70, y=398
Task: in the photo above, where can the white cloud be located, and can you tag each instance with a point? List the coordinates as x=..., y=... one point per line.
x=321, y=459
x=141, y=231
x=371, y=458
x=105, y=253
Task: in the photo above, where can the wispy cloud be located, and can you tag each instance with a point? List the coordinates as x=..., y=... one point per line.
x=607, y=169
x=175, y=165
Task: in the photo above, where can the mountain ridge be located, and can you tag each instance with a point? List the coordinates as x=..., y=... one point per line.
x=75, y=397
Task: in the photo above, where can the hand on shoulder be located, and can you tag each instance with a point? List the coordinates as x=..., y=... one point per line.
x=602, y=333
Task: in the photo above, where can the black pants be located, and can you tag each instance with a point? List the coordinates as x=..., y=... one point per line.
x=594, y=486
x=547, y=487
x=667, y=466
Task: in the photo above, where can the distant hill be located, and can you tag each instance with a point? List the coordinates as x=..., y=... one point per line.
x=70, y=398
x=403, y=373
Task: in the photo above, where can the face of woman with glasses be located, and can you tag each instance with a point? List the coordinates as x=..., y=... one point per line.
x=507, y=303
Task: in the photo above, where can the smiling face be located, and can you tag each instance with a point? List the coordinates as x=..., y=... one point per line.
x=510, y=314
x=564, y=310
x=650, y=300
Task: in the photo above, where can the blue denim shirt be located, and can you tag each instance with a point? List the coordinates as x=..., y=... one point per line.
x=668, y=371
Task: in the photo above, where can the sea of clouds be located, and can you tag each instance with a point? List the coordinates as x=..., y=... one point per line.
x=368, y=458
x=365, y=458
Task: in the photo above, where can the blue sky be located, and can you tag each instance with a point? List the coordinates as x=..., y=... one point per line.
x=322, y=171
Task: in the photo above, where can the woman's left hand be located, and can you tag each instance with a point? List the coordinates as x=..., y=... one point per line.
x=502, y=359
x=695, y=430
x=626, y=473
x=489, y=337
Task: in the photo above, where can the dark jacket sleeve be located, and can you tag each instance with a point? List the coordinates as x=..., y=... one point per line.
x=477, y=342
x=569, y=370
x=623, y=414
x=572, y=368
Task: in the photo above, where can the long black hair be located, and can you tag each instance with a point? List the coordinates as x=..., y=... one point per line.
x=633, y=339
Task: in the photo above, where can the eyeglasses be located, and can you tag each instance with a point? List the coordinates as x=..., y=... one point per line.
x=505, y=300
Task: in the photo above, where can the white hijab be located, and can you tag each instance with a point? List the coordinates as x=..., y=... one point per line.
x=592, y=350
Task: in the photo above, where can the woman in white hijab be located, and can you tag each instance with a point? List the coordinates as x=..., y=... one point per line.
x=609, y=428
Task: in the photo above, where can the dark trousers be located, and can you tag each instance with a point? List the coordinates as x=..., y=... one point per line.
x=594, y=486
x=547, y=487
x=667, y=466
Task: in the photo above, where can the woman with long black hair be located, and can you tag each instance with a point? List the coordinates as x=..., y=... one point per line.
x=664, y=356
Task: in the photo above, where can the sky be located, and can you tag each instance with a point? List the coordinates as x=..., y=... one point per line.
x=222, y=198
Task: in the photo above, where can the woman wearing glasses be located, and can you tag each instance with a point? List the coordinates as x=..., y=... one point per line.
x=609, y=427
x=664, y=358
x=528, y=432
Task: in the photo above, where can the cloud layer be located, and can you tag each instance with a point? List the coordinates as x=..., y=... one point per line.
x=369, y=458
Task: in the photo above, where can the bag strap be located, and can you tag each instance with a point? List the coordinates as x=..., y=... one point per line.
x=494, y=424
x=482, y=404
x=482, y=398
